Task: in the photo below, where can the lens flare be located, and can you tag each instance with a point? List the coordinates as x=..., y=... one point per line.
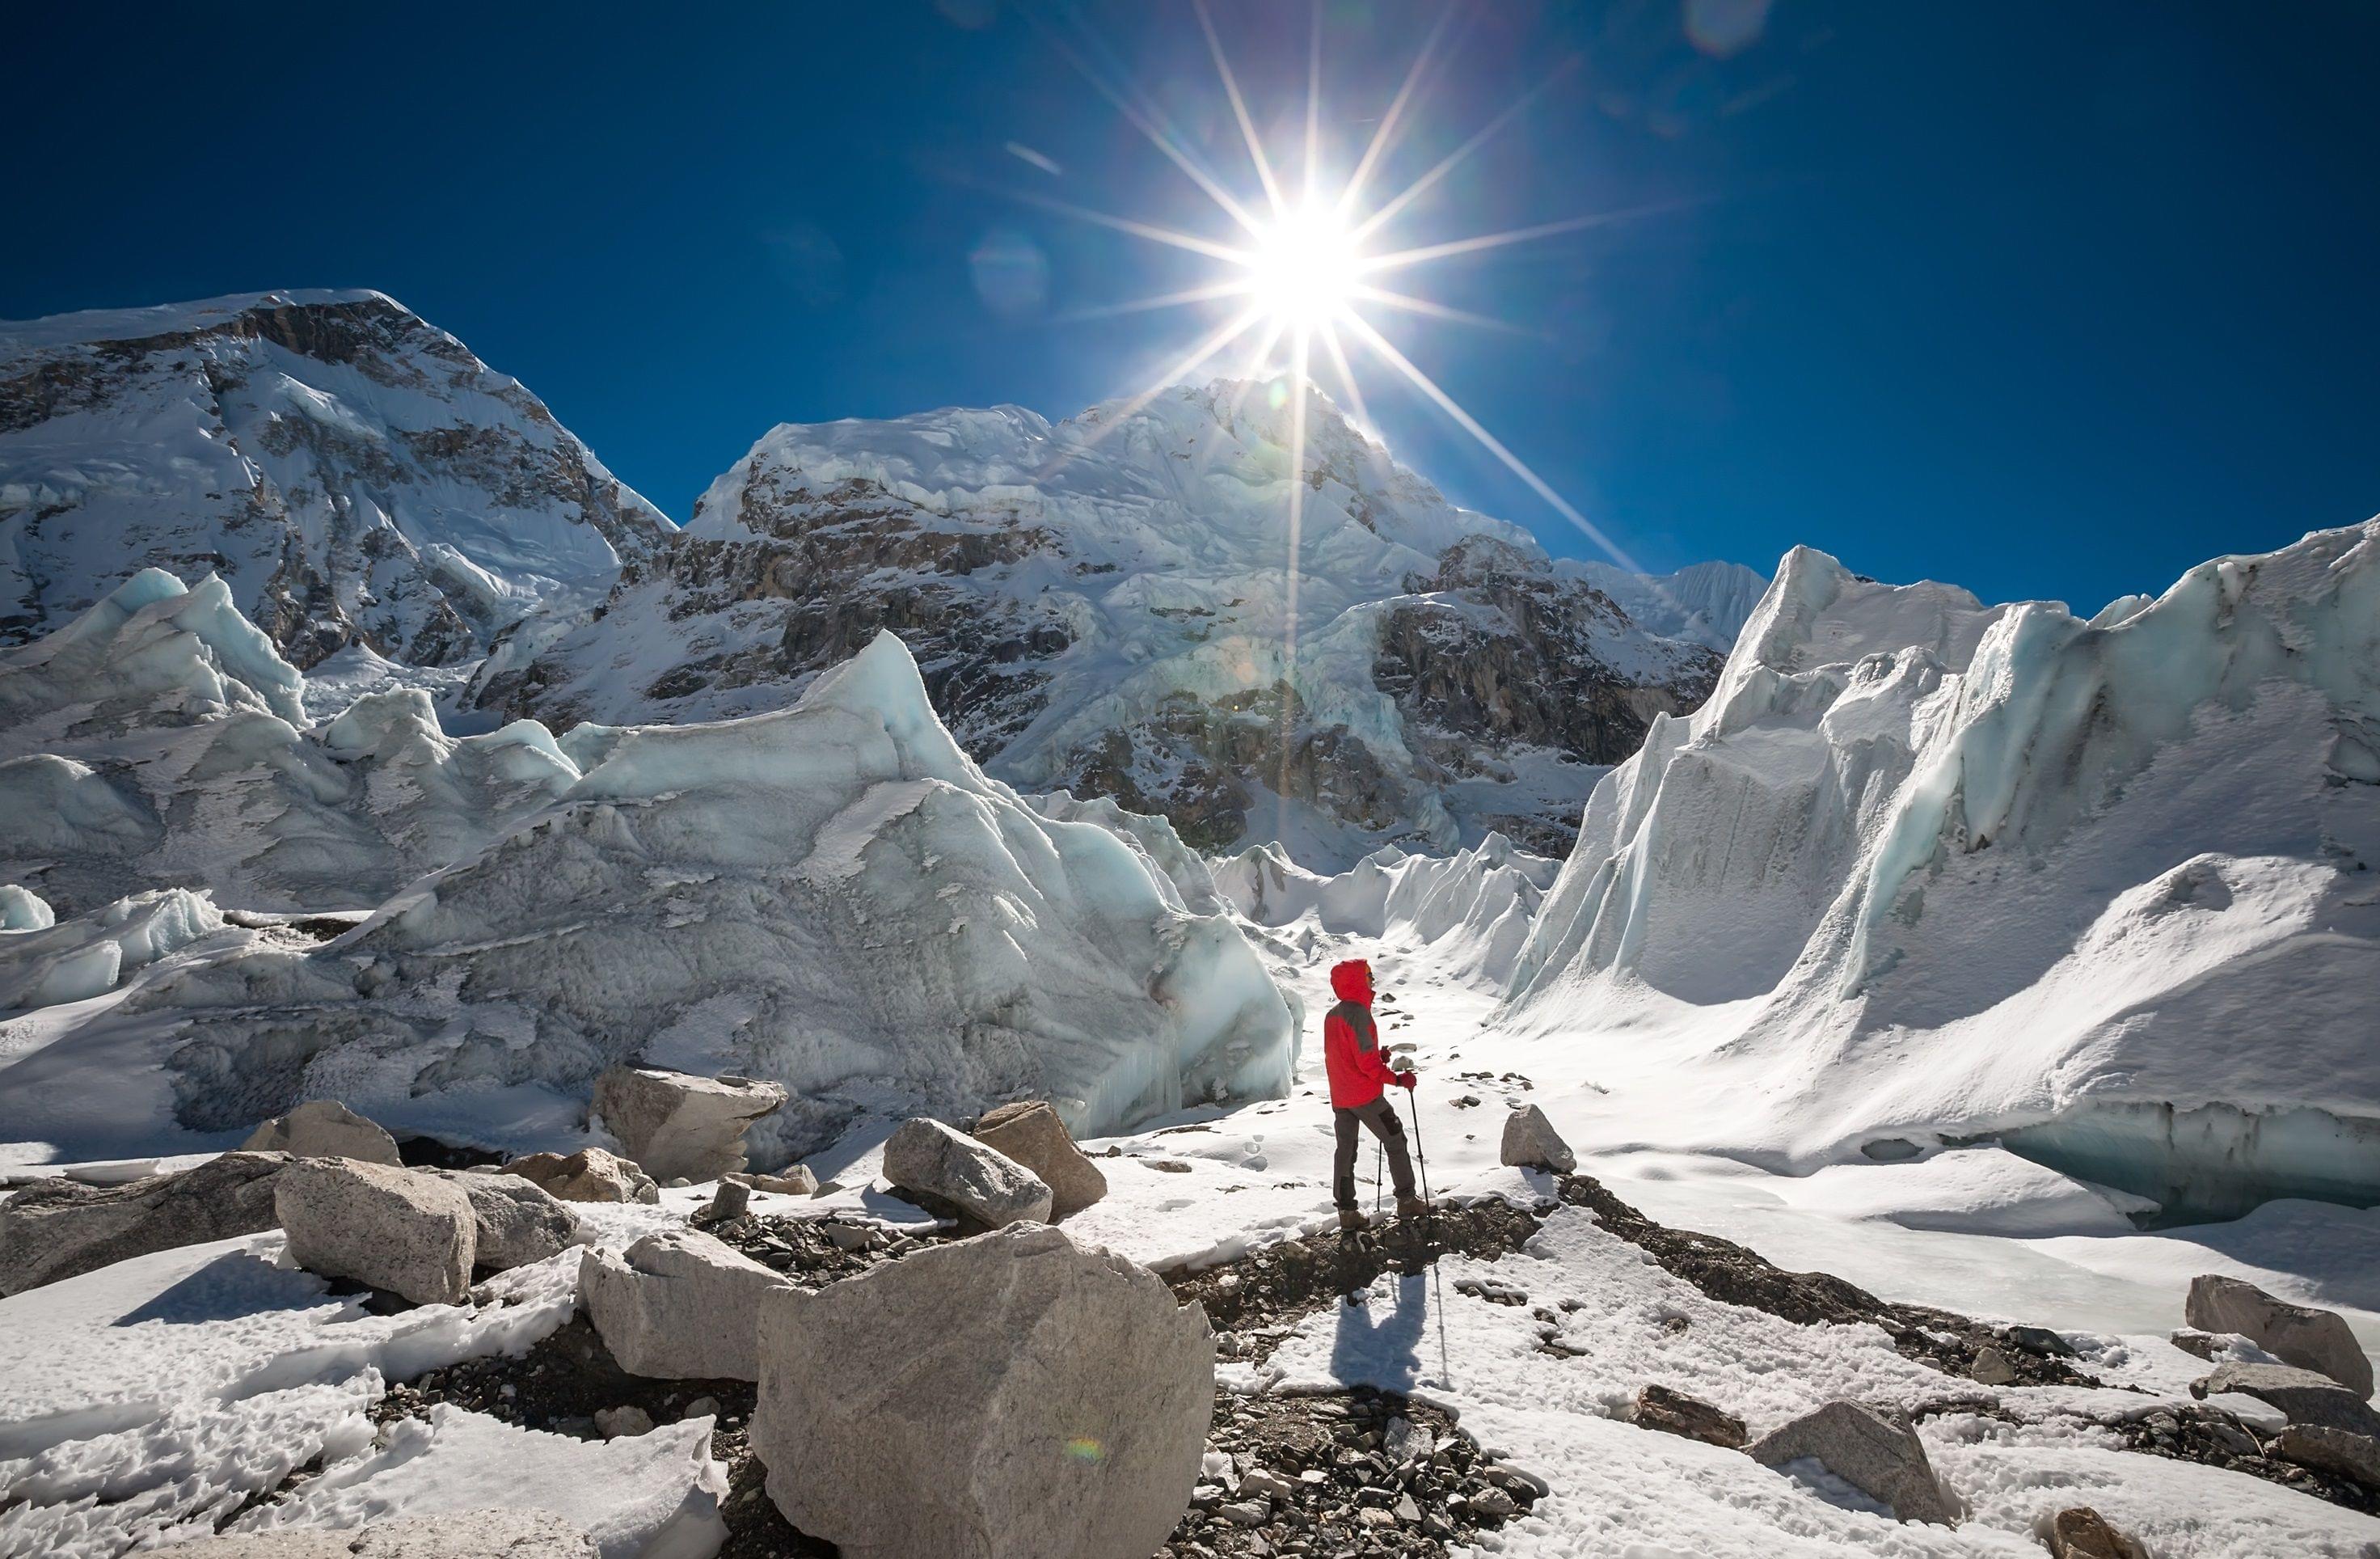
x=1083, y=1448
x=1305, y=268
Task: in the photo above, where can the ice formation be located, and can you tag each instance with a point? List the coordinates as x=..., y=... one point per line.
x=1926, y=866
x=832, y=896
x=1473, y=909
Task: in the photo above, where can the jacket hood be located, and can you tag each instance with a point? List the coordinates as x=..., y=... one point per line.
x=1352, y=981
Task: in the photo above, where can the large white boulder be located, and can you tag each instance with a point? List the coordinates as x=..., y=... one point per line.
x=1032, y=1134
x=397, y=1229
x=517, y=1221
x=1531, y=1142
x=678, y=1304
x=1009, y=1397
x=2299, y=1334
x=323, y=1129
x=1881, y=1457
x=588, y=1175
x=676, y=1124
x=944, y=1170
x=54, y=1229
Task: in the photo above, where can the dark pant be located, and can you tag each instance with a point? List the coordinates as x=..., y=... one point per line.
x=1382, y=1117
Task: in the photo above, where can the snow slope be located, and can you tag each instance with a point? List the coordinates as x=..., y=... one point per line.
x=1703, y=602
x=832, y=895
x=354, y=474
x=1924, y=869
x=1105, y=606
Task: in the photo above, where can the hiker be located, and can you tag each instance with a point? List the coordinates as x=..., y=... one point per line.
x=1351, y=1055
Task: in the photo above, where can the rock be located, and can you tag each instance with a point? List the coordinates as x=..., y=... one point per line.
x=732, y=1199
x=2299, y=1334
x=1494, y=1503
x=945, y=1171
x=2331, y=1450
x=616, y=1423
x=675, y=1124
x=2307, y=1397
x=1245, y=1513
x=449, y=1534
x=2083, y=1533
x=678, y=1304
x=1882, y=1457
x=2205, y=1344
x=54, y=1229
x=2041, y=1340
x=911, y=1410
x=1531, y=1142
x=516, y=1221
x=323, y=1129
x=588, y=1175
x=1674, y=1412
x=794, y=1180
x=1992, y=1368
x=1032, y=1134
x=401, y=1230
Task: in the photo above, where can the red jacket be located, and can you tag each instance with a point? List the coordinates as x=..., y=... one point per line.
x=1351, y=1042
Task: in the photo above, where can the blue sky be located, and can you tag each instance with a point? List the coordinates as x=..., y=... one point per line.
x=2045, y=298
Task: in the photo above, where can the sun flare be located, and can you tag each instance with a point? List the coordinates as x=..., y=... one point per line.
x=1305, y=268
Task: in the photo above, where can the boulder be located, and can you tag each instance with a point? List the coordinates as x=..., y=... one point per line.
x=516, y=1220
x=680, y=1126
x=588, y=1175
x=449, y=1534
x=945, y=1171
x=323, y=1129
x=2299, y=1334
x=1674, y=1412
x=1881, y=1457
x=794, y=1180
x=732, y=1199
x=1531, y=1142
x=1009, y=1397
x=2082, y=1533
x=678, y=1304
x=54, y=1229
x=1032, y=1134
x=1992, y=1368
x=2339, y=1451
x=409, y=1233
x=2306, y=1395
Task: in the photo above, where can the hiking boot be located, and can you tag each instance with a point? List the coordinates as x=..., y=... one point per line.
x=1412, y=1207
x=1351, y=1221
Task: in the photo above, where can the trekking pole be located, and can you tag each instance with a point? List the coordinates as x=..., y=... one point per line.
x=1377, y=1152
x=1436, y=1278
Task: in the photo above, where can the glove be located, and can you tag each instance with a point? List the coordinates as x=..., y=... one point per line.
x=1403, y=1080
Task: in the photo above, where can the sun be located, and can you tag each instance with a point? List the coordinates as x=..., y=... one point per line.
x=1305, y=268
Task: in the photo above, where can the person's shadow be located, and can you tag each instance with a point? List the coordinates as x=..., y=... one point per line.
x=1381, y=1350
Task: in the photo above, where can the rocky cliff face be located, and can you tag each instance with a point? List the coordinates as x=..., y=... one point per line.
x=1105, y=606
x=354, y=474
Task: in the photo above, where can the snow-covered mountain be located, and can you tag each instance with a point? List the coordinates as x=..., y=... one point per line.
x=1104, y=605
x=1923, y=870
x=832, y=895
x=355, y=475
x=1703, y=602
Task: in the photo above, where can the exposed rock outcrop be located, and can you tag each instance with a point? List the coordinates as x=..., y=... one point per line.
x=2299, y=1334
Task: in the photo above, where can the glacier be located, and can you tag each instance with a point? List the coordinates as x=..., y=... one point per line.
x=1926, y=870
x=832, y=895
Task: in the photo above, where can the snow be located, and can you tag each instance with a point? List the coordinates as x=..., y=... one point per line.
x=832, y=896
x=1924, y=866
x=146, y=1401
x=350, y=471
x=1147, y=538
x=1707, y=603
